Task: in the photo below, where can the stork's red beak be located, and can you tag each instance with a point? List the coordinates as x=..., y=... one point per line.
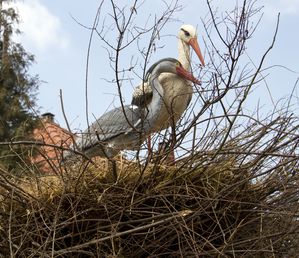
x=194, y=44
x=185, y=74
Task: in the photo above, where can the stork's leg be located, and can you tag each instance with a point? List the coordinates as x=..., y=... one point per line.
x=170, y=157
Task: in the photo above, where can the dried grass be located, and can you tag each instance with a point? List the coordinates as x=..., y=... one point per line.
x=237, y=202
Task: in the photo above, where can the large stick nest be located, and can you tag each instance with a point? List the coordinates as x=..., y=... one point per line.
x=237, y=201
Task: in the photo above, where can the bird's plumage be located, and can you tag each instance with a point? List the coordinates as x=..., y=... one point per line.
x=105, y=135
x=178, y=91
x=127, y=127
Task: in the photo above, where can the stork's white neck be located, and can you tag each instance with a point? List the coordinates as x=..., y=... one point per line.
x=184, y=54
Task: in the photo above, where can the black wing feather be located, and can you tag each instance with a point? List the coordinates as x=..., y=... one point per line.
x=111, y=125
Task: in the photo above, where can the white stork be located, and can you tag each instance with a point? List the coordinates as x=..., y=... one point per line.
x=178, y=91
x=127, y=128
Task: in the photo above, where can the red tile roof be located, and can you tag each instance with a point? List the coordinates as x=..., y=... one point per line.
x=50, y=133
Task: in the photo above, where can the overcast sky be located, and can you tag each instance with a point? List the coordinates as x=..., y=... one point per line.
x=59, y=44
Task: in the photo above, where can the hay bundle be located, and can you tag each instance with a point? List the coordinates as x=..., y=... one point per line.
x=237, y=201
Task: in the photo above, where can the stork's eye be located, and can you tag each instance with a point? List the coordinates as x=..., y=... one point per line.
x=187, y=34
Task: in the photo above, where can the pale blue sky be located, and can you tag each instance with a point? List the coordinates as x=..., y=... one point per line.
x=60, y=47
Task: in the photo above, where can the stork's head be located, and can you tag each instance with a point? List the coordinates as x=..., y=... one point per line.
x=170, y=65
x=188, y=35
x=187, y=32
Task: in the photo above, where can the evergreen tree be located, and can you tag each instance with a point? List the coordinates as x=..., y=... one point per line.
x=17, y=88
